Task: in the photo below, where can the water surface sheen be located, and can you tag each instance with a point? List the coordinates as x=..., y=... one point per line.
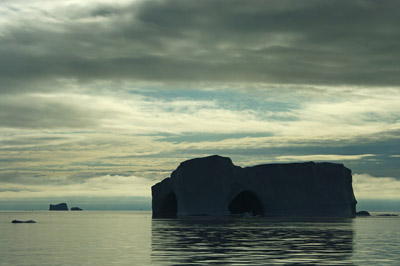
x=252, y=242
x=75, y=238
x=133, y=238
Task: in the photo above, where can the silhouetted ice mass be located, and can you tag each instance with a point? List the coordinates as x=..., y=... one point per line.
x=58, y=207
x=23, y=222
x=363, y=213
x=76, y=209
x=214, y=186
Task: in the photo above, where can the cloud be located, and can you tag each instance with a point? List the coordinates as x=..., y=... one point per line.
x=119, y=112
x=323, y=157
x=280, y=42
x=37, y=111
x=132, y=88
x=75, y=136
x=101, y=186
x=370, y=187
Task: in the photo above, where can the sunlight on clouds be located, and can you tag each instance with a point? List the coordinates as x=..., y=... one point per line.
x=322, y=157
x=82, y=135
x=336, y=119
x=339, y=117
x=103, y=186
x=370, y=187
x=137, y=114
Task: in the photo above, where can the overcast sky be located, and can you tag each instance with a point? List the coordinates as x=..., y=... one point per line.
x=101, y=99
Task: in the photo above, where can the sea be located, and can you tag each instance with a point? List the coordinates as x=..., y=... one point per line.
x=134, y=238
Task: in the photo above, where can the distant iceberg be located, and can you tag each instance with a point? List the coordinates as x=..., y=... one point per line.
x=23, y=222
x=58, y=207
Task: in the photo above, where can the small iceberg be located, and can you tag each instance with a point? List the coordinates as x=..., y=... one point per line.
x=23, y=222
x=388, y=215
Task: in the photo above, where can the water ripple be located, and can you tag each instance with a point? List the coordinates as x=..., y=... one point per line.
x=251, y=242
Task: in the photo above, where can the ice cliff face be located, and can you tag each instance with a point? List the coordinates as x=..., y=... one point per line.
x=214, y=186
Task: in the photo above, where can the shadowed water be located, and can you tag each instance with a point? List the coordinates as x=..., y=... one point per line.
x=252, y=242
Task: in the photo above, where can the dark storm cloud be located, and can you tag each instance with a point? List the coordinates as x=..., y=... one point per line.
x=307, y=42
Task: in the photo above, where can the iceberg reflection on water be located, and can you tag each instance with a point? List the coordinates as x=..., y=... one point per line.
x=252, y=241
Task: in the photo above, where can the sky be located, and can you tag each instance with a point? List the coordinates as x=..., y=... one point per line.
x=101, y=99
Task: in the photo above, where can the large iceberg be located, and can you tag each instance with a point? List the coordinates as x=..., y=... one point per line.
x=214, y=186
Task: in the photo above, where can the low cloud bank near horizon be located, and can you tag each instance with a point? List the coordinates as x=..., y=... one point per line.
x=370, y=187
x=126, y=193
x=102, y=186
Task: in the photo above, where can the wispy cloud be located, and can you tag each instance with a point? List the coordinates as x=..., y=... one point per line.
x=52, y=132
x=102, y=186
x=322, y=157
x=370, y=187
x=151, y=115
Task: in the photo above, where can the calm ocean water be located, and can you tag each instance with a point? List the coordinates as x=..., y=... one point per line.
x=133, y=238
